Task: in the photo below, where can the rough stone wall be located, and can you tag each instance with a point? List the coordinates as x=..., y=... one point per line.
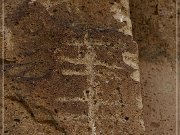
x=1, y=72
x=71, y=67
x=154, y=29
x=178, y=66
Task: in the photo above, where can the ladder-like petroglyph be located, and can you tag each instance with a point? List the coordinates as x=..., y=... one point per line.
x=76, y=72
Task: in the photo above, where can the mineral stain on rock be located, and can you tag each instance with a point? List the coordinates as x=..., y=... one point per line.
x=68, y=74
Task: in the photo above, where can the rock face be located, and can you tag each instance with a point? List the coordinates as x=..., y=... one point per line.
x=71, y=69
x=154, y=30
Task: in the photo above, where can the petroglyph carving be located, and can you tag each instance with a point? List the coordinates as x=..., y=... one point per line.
x=78, y=73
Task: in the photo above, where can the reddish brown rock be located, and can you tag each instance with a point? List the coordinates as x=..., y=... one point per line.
x=69, y=71
x=154, y=30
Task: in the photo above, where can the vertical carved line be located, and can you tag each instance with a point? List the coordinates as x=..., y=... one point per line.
x=90, y=57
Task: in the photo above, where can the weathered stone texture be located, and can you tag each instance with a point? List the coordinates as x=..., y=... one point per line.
x=1, y=69
x=70, y=70
x=154, y=29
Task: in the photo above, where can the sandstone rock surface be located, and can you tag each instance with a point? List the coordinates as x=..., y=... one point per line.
x=71, y=69
x=154, y=29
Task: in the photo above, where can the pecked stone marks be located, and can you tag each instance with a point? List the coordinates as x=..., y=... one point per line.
x=72, y=76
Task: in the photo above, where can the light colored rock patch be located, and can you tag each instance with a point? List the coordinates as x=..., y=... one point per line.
x=9, y=46
x=32, y=1
x=142, y=124
x=139, y=102
x=68, y=99
x=121, y=17
x=118, y=14
x=132, y=60
x=136, y=76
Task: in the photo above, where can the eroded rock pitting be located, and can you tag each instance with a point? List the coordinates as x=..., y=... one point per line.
x=69, y=73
